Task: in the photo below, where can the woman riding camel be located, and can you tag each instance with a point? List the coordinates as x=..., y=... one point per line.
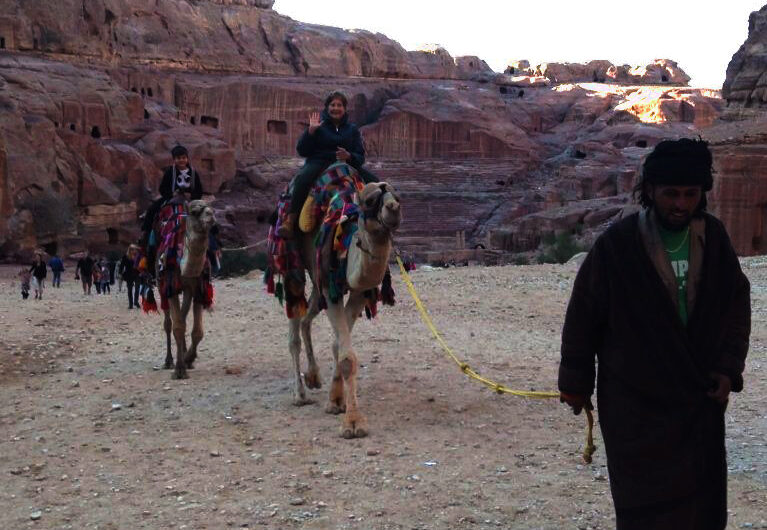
x=330, y=138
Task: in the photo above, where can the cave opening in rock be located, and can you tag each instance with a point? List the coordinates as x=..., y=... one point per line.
x=112, y=236
x=641, y=143
x=193, y=121
x=56, y=124
x=471, y=64
x=95, y=132
x=499, y=183
x=521, y=94
x=210, y=121
x=277, y=127
x=579, y=154
x=35, y=44
x=72, y=127
x=664, y=78
x=149, y=92
x=133, y=89
x=146, y=114
x=51, y=248
x=686, y=113
x=503, y=90
x=143, y=92
x=2, y=43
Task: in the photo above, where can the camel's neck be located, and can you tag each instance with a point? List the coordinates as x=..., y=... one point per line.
x=368, y=260
x=195, y=247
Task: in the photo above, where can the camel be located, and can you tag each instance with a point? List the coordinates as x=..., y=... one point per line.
x=199, y=220
x=368, y=258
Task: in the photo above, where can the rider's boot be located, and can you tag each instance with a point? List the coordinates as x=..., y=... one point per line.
x=287, y=228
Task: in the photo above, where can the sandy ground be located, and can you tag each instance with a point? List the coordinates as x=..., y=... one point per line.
x=94, y=435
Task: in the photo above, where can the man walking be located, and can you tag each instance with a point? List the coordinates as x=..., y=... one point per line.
x=84, y=271
x=663, y=304
x=57, y=267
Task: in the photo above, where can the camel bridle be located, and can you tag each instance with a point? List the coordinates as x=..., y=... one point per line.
x=372, y=209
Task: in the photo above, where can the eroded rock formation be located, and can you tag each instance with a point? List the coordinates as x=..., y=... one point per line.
x=95, y=94
x=659, y=72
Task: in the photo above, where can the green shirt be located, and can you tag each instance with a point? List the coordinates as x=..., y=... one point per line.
x=677, y=245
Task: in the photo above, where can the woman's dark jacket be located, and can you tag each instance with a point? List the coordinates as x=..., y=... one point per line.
x=127, y=270
x=39, y=270
x=323, y=144
x=664, y=437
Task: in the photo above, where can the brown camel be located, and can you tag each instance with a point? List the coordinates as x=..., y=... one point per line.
x=199, y=221
x=368, y=258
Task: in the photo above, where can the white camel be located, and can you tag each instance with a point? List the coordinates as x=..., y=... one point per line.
x=368, y=258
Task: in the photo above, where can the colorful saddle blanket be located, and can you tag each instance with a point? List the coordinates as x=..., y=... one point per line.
x=333, y=194
x=169, y=230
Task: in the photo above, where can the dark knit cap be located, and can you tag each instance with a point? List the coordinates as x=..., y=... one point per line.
x=683, y=162
x=179, y=150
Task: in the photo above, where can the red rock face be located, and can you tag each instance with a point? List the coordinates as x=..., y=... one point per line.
x=96, y=93
x=739, y=196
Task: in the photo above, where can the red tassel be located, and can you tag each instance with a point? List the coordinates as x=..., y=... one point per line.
x=209, y=294
x=149, y=304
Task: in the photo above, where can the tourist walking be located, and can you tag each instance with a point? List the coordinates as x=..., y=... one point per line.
x=127, y=270
x=84, y=271
x=106, y=277
x=57, y=267
x=25, y=278
x=39, y=272
x=663, y=305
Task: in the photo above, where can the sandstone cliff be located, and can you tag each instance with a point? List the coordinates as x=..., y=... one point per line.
x=744, y=86
x=96, y=92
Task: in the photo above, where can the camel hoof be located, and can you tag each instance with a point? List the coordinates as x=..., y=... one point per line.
x=301, y=401
x=180, y=375
x=312, y=380
x=332, y=408
x=347, y=433
x=353, y=431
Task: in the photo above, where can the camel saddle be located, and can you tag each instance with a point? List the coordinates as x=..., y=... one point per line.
x=168, y=231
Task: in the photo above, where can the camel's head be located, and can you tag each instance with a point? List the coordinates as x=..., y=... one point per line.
x=380, y=207
x=201, y=217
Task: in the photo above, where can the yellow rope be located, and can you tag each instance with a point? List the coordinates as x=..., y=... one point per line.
x=466, y=369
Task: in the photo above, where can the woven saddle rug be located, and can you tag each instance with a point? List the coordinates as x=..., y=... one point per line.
x=333, y=208
x=169, y=231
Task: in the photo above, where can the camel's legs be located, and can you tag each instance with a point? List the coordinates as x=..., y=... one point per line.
x=197, y=334
x=179, y=332
x=168, y=325
x=354, y=423
x=294, y=344
x=336, y=403
x=312, y=376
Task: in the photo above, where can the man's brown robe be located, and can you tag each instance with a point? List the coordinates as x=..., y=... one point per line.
x=664, y=437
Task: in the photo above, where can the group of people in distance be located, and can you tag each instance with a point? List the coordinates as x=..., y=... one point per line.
x=101, y=274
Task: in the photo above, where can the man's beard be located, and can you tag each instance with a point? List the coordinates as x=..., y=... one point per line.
x=674, y=224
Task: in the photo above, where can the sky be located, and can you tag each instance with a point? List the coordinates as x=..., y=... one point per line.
x=700, y=36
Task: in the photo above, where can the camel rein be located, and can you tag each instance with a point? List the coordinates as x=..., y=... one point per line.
x=499, y=388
